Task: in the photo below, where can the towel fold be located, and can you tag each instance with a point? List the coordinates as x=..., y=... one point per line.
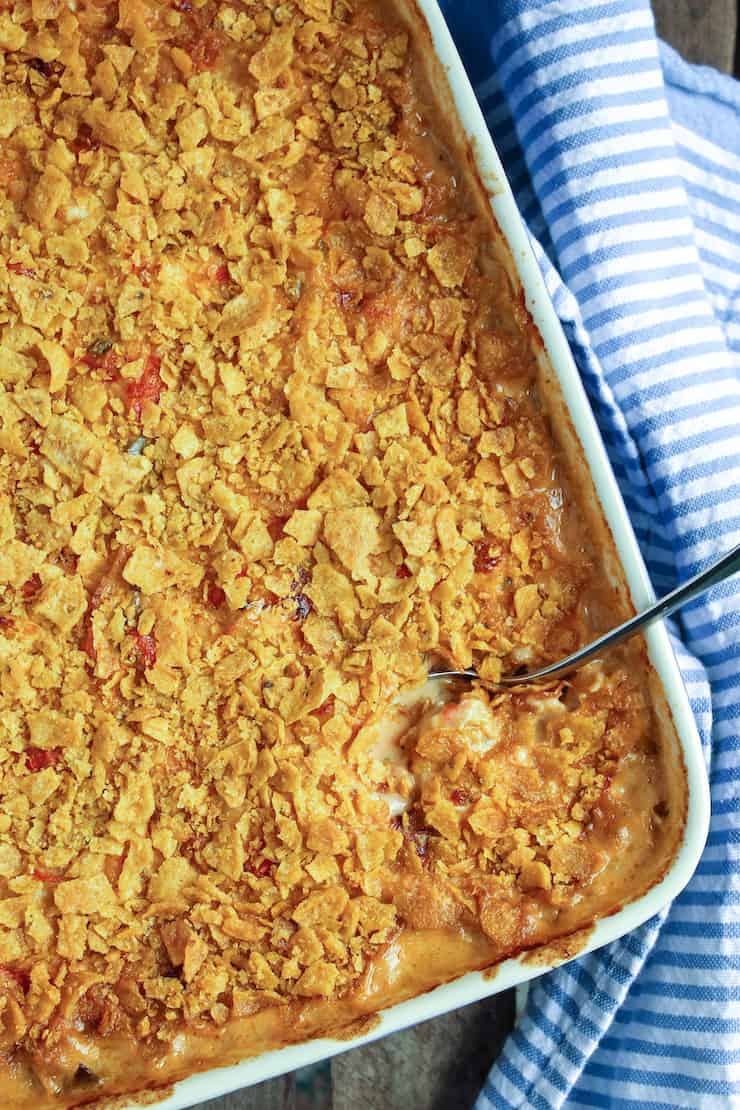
x=626, y=165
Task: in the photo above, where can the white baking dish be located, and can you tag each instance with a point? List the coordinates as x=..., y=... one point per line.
x=670, y=690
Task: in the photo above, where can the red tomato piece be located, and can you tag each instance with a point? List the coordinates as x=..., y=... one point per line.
x=216, y=596
x=326, y=710
x=377, y=307
x=484, y=559
x=30, y=588
x=144, y=272
x=263, y=869
x=38, y=759
x=206, y=50
x=19, y=268
x=275, y=527
x=87, y=643
x=145, y=647
x=147, y=388
x=45, y=876
x=460, y=798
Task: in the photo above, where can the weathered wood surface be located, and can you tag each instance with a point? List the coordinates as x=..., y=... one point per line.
x=441, y=1064
x=702, y=31
x=275, y=1094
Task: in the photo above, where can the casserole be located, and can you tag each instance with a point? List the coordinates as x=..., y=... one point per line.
x=454, y=92
x=81, y=892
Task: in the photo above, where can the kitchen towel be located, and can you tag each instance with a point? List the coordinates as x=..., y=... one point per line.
x=626, y=165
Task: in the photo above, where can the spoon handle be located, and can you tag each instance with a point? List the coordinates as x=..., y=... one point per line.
x=724, y=567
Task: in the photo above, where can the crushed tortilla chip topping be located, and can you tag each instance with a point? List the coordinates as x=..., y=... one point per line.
x=270, y=442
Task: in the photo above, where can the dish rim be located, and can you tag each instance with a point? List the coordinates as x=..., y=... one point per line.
x=473, y=986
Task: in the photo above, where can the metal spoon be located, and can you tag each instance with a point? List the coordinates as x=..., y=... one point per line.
x=724, y=567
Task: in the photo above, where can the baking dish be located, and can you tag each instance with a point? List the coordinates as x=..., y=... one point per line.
x=577, y=430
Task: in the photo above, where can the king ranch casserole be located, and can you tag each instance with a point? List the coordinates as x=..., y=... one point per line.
x=271, y=443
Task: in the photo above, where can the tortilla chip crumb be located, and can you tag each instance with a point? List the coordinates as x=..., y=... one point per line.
x=272, y=447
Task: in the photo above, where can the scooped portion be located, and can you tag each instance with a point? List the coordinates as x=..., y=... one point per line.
x=520, y=812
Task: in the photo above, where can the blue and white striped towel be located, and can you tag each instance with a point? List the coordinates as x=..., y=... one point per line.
x=626, y=165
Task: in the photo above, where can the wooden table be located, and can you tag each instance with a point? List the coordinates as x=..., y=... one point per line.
x=440, y=1065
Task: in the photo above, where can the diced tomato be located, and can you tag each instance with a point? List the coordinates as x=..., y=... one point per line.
x=38, y=759
x=262, y=870
x=216, y=596
x=206, y=49
x=112, y=866
x=216, y=274
x=242, y=573
x=403, y=571
x=460, y=798
x=145, y=647
x=19, y=268
x=377, y=307
x=7, y=622
x=484, y=560
x=275, y=526
x=265, y=866
x=325, y=710
x=147, y=388
x=45, y=876
x=87, y=642
x=31, y=587
x=145, y=271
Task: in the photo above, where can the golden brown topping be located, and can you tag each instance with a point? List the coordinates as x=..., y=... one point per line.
x=269, y=443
